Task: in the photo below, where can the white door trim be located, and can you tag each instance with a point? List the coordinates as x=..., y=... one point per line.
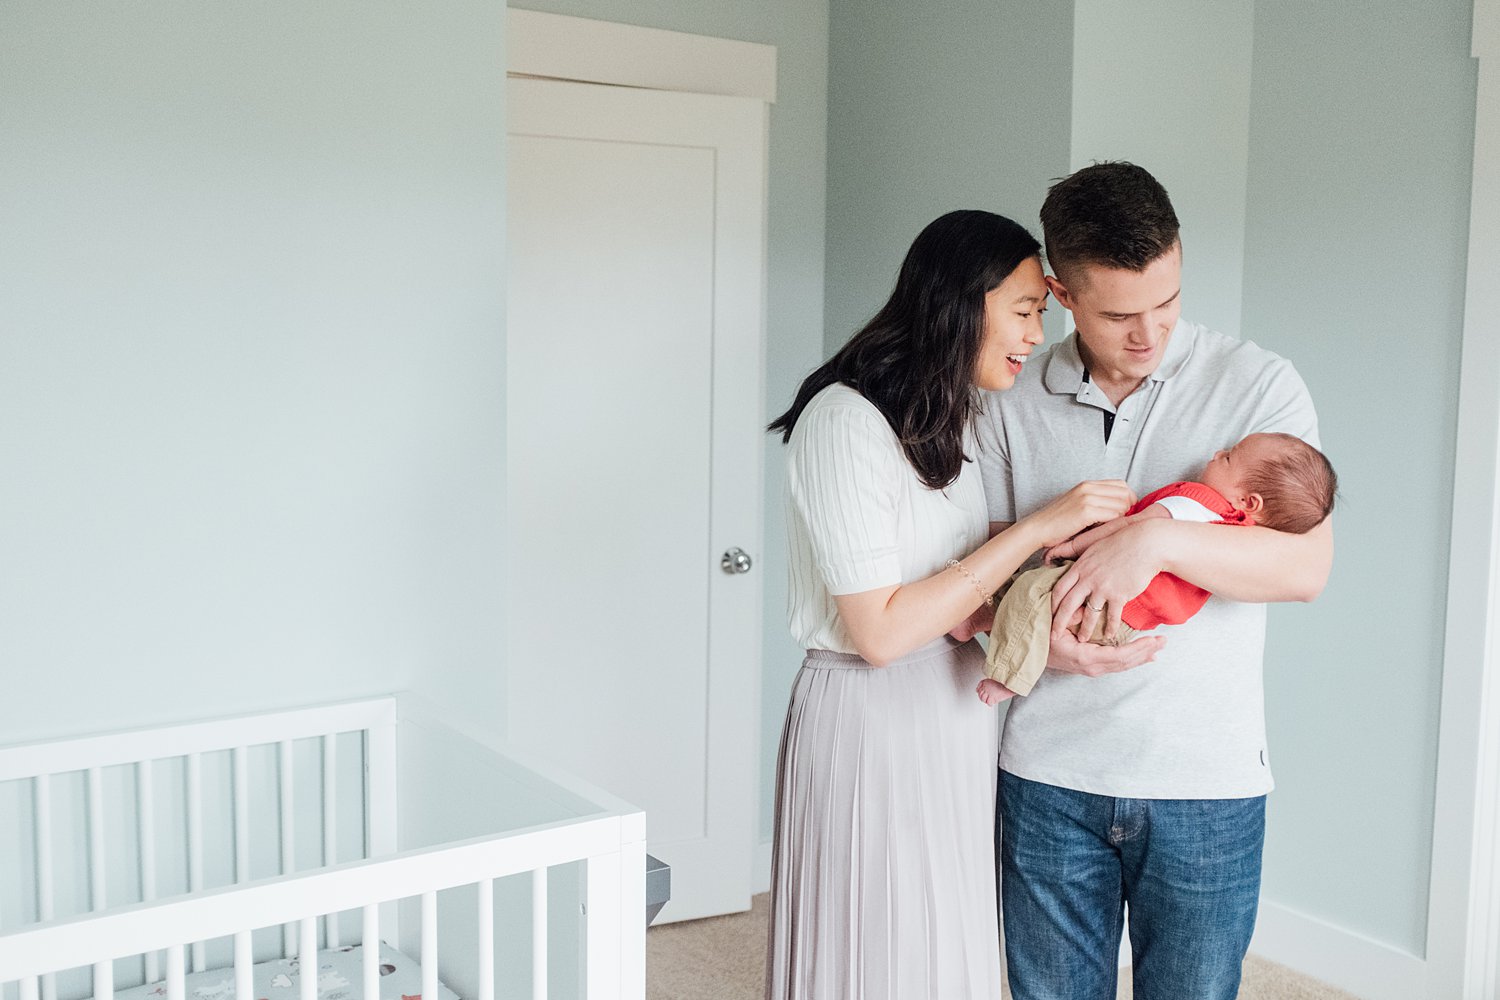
x=1463, y=930
x=576, y=48
x=583, y=51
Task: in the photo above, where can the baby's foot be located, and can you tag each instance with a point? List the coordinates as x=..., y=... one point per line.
x=993, y=693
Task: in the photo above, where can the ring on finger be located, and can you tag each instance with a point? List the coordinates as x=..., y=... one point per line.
x=1092, y=608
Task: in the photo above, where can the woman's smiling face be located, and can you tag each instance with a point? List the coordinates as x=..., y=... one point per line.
x=1012, y=325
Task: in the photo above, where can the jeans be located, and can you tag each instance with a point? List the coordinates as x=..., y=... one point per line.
x=1070, y=862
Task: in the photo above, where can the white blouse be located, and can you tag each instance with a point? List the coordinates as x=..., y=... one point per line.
x=859, y=518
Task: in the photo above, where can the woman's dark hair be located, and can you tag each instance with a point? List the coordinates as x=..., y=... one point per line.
x=915, y=360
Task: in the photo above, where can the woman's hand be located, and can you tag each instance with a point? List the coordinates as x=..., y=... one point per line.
x=982, y=620
x=1084, y=506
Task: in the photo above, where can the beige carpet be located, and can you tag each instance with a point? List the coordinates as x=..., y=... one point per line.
x=723, y=958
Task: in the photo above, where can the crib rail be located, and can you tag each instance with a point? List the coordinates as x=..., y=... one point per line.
x=605, y=835
x=49, y=767
x=130, y=746
x=612, y=846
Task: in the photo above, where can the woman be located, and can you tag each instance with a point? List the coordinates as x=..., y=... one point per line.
x=883, y=879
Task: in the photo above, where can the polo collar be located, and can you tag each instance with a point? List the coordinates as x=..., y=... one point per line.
x=1066, y=374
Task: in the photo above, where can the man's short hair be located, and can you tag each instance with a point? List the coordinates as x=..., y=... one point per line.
x=1111, y=214
x=1298, y=487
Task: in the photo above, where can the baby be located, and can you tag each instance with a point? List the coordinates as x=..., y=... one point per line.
x=1274, y=480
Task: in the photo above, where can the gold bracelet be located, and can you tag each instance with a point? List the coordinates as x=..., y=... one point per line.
x=989, y=598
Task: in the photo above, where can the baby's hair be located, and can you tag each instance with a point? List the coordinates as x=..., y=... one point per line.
x=1298, y=487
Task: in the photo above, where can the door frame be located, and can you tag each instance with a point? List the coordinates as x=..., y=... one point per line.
x=581, y=50
x=1463, y=929
x=559, y=47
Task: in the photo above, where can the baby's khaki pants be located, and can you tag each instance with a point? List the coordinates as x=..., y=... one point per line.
x=1020, y=639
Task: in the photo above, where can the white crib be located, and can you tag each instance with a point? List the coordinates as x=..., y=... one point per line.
x=223, y=843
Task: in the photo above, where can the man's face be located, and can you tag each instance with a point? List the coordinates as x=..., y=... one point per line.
x=1124, y=318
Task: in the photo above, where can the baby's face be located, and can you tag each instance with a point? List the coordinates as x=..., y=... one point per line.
x=1226, y=471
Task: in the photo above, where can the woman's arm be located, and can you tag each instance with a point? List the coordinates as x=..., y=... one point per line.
x=887, y=623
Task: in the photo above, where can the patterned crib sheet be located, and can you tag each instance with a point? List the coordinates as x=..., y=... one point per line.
x=340, y=977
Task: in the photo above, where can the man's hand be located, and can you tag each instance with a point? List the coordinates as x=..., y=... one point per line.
x=1072, y=655
x=1107, y=575
x=1079, y=543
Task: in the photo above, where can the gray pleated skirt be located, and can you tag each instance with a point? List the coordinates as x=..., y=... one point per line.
x=883, y=866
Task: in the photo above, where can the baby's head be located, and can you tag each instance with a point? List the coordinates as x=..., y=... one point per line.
x=1279, y=480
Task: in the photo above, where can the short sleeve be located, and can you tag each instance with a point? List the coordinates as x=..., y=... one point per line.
x=1187, y=509
x=1188, y=501
x=845, y=471
x=1285, y=406
x=994, y=461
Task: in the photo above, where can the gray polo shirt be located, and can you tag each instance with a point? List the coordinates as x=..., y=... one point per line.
x=1191, y=724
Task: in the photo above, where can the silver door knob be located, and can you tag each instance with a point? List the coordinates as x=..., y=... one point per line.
x=735, y=561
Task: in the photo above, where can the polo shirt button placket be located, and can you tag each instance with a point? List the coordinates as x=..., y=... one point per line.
x=1125, y=415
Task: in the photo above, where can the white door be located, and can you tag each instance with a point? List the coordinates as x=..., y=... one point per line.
x=634, y=415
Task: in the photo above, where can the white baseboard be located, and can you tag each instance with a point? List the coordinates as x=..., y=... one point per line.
x=1339, y=957
x=760, y=871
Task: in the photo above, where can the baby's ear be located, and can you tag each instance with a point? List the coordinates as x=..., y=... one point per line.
x=1251, y=503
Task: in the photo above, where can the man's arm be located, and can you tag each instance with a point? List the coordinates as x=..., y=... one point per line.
x=1078, y=543
x=1074, y=655
x=1250, y=564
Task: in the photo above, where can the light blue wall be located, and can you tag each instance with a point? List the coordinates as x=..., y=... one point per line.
x=930, y=109
x=794, y=314
x=934, y=107
x=1361, y=131
x=1194, y=139
x=251, y=382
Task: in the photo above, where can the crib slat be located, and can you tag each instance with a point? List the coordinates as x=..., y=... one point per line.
x=486, y=935
x=602, y=926
x=104, y=980
x=175, y=973
x=28, y=988
x=429, y=944
x=288, y=844
x=380, y=809
x=244, y=967
x=330, y=825
x=370, y=939
x=307, y=952
x=42, y=789
x=288, y=804
x=241, y=814
x=195, y=842
x=539, y=934
x=145, y=800
x=96, y=839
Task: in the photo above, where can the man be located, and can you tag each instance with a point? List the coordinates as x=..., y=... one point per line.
x=1124, y=783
